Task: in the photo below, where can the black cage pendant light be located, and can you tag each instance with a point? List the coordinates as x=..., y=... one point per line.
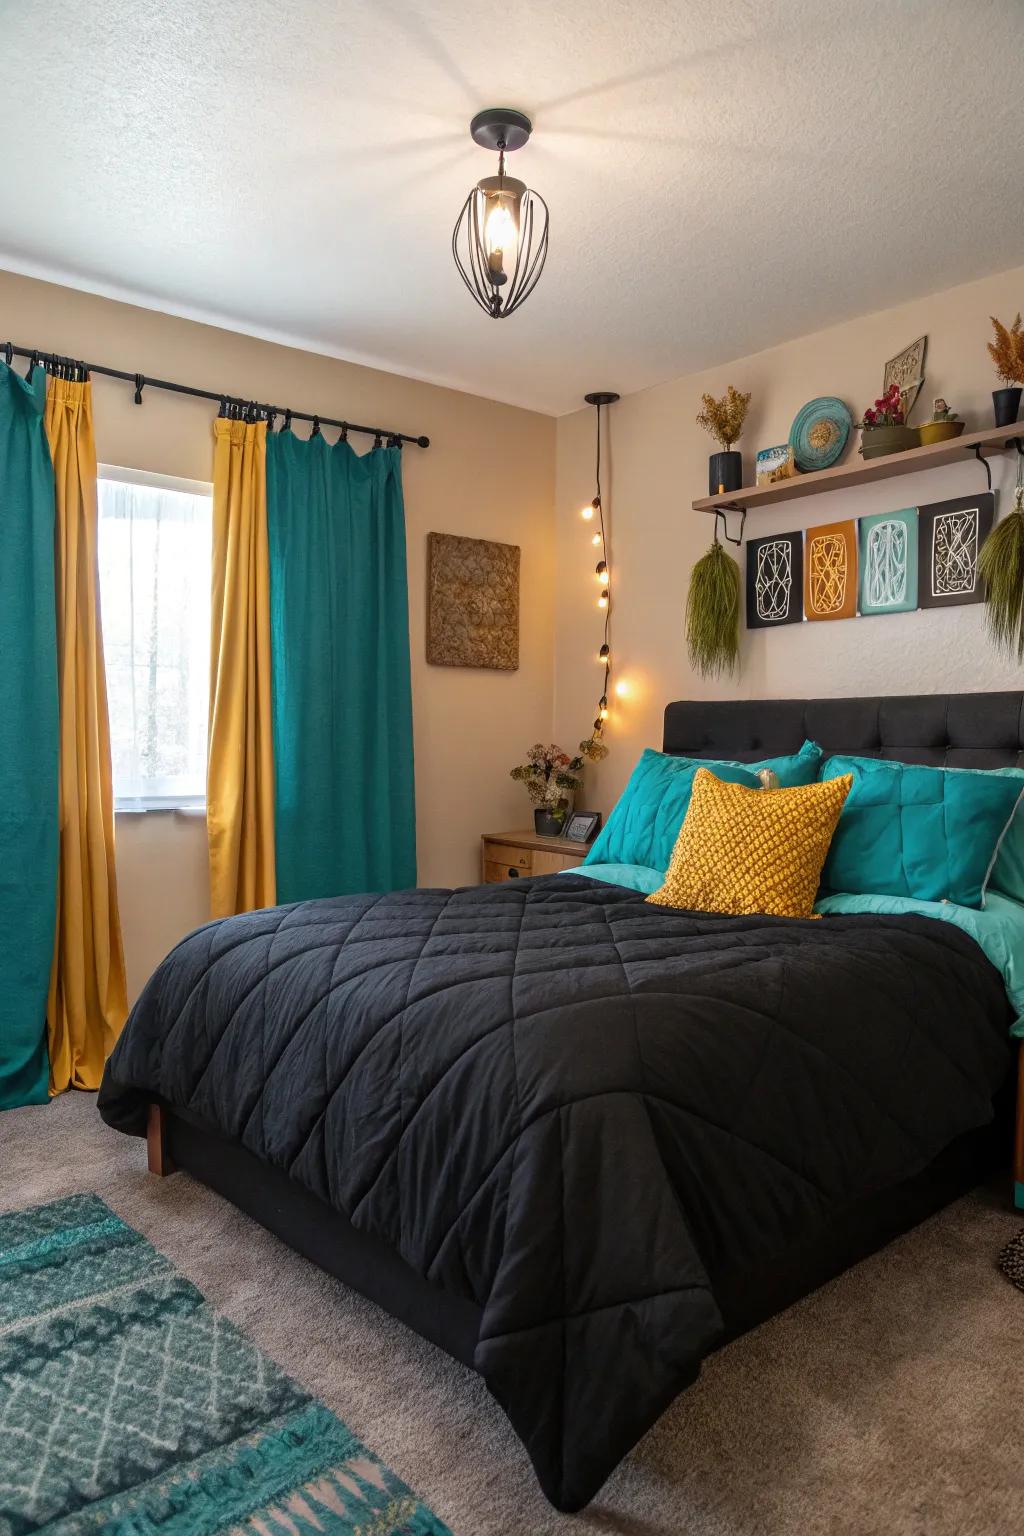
x=500, y=240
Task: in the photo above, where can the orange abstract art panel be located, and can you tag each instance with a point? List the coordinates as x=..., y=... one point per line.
x=830, y=571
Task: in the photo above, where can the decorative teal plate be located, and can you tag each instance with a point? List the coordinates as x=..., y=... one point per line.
x=819, y=433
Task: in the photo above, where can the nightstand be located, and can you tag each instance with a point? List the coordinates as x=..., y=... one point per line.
x=516, y=855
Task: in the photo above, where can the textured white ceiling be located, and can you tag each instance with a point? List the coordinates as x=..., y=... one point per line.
x=721, y=176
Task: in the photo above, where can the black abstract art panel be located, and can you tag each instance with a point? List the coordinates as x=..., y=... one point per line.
x=950, y=535
x=775, y=580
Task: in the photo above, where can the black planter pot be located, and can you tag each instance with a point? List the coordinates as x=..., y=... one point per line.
x=725, y=472
x=546, y=825
x=1006, y=404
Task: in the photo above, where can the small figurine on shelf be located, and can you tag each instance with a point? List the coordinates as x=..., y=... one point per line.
x=724, y=419
x=944, y=424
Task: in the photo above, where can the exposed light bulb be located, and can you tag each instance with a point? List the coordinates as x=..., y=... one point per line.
x=622, y=689
x=604, y=653
x=601, y=570
x=602, y=601
x=500, y=235
x=586, y=512
x=596, y=540
x=603, y=712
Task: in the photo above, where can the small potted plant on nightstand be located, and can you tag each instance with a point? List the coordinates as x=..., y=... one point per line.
x=552, y=778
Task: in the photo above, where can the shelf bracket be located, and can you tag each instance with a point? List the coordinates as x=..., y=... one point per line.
x=982, y=460
x=721, y=520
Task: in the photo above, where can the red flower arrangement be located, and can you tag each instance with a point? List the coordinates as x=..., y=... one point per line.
x=887, y=411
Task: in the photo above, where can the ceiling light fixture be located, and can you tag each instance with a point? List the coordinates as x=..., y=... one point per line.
x=500, y=240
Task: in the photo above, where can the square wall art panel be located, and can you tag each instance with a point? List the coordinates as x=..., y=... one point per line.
x=951, y=534
x=775, y=580
x=888, y=562
x=472, y=602
x=830, y=571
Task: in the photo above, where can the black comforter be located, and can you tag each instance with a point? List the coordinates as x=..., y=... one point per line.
x=571, y=1107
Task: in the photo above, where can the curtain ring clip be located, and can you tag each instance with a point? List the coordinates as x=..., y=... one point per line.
x=286, y=425
x=140, y=384
x=316, y=427
x=377, y=441
x=8, y=353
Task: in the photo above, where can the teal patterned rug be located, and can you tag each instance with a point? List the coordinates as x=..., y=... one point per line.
x=129, y=1408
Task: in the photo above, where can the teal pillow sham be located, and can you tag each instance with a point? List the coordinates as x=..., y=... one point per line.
x=907, y=830
x=644, y=825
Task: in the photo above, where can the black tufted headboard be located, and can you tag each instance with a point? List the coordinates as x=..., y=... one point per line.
x=955, y=730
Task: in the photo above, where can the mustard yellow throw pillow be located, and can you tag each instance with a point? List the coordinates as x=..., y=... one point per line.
x=743, y=850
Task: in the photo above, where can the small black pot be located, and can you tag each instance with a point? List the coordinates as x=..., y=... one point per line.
x=725, y=472
x=546, y=825
x=1006, y=404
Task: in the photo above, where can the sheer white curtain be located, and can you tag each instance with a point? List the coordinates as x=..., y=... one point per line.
x=154, y=557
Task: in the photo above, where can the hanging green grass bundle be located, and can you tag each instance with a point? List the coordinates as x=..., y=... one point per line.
x=1001, y=567
x=713, y=613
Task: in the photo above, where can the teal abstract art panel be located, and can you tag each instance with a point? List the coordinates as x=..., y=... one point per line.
x=888, y=562
x=130, y=1408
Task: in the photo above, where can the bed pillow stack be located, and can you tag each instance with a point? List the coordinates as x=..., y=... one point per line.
x=932, y=834
x=643, y=827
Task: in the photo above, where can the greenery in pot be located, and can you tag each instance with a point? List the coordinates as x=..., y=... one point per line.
x=1007, y=353
x=551, y=778
x=884, y=427
x=724, y=419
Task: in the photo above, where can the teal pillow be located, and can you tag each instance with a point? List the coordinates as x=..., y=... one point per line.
x=1008, y=873
x=643, y=827
x=906, y=830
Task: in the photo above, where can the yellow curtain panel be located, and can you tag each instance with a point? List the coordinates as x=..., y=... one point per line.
x=87, y=1002
x=240, y=775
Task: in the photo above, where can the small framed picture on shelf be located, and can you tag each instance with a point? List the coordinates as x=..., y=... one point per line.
x=582, y=826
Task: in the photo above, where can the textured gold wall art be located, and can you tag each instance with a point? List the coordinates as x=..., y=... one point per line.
x=830, y=571
x=472, y=602
x=907, y=370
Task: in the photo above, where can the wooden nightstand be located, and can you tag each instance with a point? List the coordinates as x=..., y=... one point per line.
x=516, y=855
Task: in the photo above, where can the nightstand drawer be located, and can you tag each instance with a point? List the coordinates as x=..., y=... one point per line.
x=503, y=853
x=494, y=872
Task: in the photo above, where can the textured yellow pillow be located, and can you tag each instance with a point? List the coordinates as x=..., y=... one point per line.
x=743, y=850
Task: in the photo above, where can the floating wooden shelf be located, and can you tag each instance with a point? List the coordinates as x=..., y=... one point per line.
x=992, y=440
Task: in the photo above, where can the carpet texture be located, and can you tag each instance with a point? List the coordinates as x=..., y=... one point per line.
x=128, y=1406
x=886, y=1404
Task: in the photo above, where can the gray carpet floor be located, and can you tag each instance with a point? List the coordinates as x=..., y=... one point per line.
x=890, y=1403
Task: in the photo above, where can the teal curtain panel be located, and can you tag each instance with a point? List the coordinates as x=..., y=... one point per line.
x=29, y=741
x=344, y=804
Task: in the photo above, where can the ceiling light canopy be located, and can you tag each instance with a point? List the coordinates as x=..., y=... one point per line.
x=500, y=240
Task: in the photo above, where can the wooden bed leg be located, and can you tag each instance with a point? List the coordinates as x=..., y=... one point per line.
x=156, y=1143
x=1018, y=1146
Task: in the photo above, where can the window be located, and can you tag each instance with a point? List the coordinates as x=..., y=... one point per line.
x=154, y=557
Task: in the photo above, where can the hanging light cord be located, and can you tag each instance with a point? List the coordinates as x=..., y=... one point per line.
x=607, y=575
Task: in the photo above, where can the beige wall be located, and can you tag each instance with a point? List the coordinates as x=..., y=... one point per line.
x=489, y=473
x=659, y=465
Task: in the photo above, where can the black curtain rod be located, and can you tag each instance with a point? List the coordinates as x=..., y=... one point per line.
x=252, y=410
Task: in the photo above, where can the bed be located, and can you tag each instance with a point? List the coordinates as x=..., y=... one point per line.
x=575, y=1140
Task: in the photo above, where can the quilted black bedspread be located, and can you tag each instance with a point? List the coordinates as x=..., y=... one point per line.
x=571, y=1107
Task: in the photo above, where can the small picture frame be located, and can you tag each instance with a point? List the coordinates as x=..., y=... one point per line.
x=581, y=826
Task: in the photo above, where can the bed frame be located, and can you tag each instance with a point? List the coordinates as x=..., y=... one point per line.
x=979, y=730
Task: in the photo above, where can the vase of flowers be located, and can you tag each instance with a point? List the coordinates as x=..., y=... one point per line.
x=724, y=419
x=884, y=428
x=551, y=778
x=1007, y=352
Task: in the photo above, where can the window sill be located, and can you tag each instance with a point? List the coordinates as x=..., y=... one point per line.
x=187, y=808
